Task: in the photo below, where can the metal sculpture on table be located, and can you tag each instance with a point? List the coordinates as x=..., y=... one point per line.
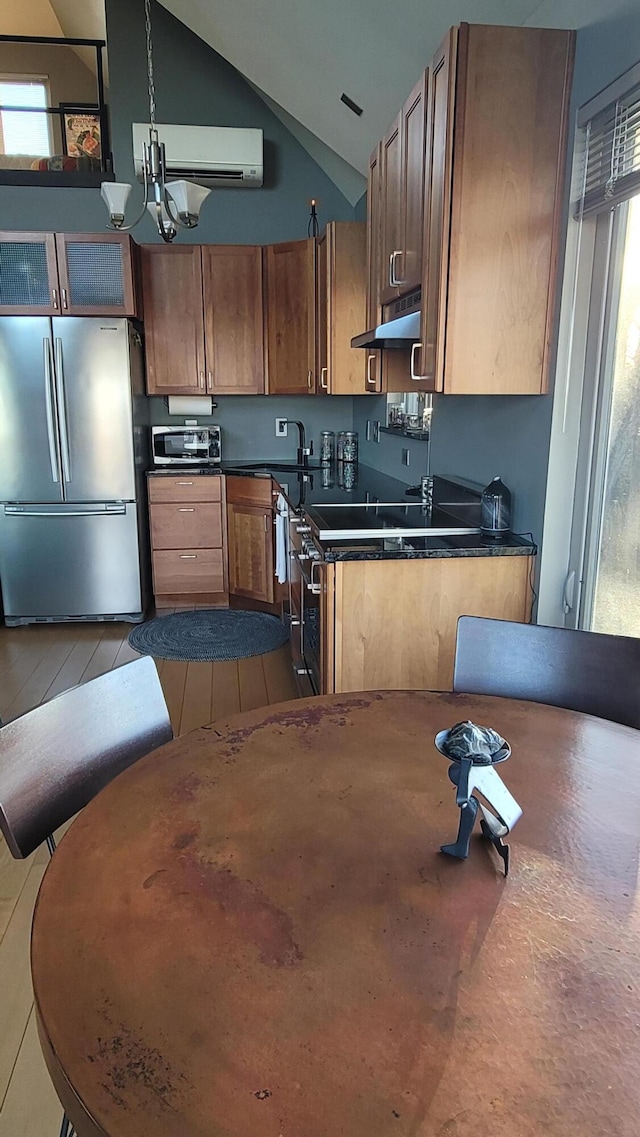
x=474, y=751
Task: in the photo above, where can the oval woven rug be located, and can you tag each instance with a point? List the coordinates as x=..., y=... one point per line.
x=209, y=634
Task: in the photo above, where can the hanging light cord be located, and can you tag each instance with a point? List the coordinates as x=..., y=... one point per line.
x=150, y=79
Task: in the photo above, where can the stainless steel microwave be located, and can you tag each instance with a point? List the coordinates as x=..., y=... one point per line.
x=185, y=445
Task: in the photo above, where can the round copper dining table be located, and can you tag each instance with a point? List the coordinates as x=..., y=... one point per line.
x=252, y=933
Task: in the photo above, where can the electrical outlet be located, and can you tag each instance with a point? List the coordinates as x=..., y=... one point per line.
x=376, y=431
x=281, y=428
x=406, y=454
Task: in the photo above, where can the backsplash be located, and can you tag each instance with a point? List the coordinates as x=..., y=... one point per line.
x=248, y=422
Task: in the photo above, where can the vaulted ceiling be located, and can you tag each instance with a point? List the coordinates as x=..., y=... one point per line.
x=304, y=54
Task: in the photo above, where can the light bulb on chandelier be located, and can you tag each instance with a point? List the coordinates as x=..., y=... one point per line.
x=173, y=205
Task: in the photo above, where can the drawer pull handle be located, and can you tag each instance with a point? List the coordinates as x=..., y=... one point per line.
x=184, y=509
x=185, y=483
x=188, y=556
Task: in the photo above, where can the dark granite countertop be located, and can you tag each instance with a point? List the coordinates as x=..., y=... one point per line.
x=455, y=503
x=423, y=548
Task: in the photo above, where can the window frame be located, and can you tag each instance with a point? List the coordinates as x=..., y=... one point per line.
x=583, y=385
x=43, y=81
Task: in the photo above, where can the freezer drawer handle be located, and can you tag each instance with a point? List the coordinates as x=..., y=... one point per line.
x=62, y=412
x=48, y=395
x=21, y=511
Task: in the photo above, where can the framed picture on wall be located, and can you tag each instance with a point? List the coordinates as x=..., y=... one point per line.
x=82, y=131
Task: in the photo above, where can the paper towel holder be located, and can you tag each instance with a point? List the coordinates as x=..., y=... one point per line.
x=189, y=405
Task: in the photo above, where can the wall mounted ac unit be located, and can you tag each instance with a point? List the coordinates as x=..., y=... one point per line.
x=209, y=155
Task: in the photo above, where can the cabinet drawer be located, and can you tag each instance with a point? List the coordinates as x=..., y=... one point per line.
x=185, y=489
x=197, y=526
x=187, y=570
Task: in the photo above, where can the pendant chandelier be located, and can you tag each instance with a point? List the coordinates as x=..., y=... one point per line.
x=173, y=205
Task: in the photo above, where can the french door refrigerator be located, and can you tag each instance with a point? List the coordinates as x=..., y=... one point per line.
x=72, y=458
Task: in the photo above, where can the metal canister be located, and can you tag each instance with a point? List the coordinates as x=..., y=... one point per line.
x=327, y=446
x=348, y=446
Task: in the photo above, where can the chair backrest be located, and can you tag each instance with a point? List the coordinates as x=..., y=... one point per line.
x=583, y=671
x=54, y=759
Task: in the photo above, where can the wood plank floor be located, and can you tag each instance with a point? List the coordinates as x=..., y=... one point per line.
x=37, y=663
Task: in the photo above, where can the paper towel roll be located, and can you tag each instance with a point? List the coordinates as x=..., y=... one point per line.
x=198, y=405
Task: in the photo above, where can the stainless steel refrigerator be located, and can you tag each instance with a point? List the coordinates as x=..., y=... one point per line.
x=72, y=459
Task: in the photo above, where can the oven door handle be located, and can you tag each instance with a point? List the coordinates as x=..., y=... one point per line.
x=310, y=583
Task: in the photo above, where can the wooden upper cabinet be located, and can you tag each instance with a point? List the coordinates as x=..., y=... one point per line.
x=437, y=212
x=390, y=210
x=493, y=207
x=173, y=319
x=374, y=237
x=400, y=194
x=96, y=274
x=290, y=306
x=408, y=267
x=67, y=274
x=28, y=275
x=341, y=307
x=233, y=319
x=323, y=332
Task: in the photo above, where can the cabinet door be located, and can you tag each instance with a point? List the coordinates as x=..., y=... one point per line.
x=391, y=211
x=323, y=330
x=346, y=303
x=173, y=319
x=291, y=318
x=409, y=265
x=28, y=275
x=96, y=274
x=233, y=319
x=374, y=237
x=429, y=358
x=250, y=551
x=506, y=203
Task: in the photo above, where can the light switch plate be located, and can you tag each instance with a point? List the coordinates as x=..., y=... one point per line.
x=281, y=428
x=406, y=454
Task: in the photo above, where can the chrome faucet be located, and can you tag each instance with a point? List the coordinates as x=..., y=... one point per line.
x=304, y=451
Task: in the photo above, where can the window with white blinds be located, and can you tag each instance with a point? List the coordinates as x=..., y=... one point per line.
x=610, y=171
x=24, y=130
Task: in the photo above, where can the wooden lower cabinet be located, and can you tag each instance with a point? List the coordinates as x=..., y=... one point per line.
x=250, y=538
x=389, y=625
x=187, y=520
x=181, y=572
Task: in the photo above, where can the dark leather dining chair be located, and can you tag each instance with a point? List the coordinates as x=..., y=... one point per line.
x=55, y=758
x=583, y=671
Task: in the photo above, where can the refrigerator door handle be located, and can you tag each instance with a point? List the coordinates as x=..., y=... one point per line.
x=48, y=395
x=62, y=412
x=26, y=511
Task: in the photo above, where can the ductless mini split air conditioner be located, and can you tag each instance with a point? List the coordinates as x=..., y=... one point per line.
x=209, y=155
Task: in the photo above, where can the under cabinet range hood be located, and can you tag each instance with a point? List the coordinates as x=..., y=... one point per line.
x=401, y=328
x=400, y=332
